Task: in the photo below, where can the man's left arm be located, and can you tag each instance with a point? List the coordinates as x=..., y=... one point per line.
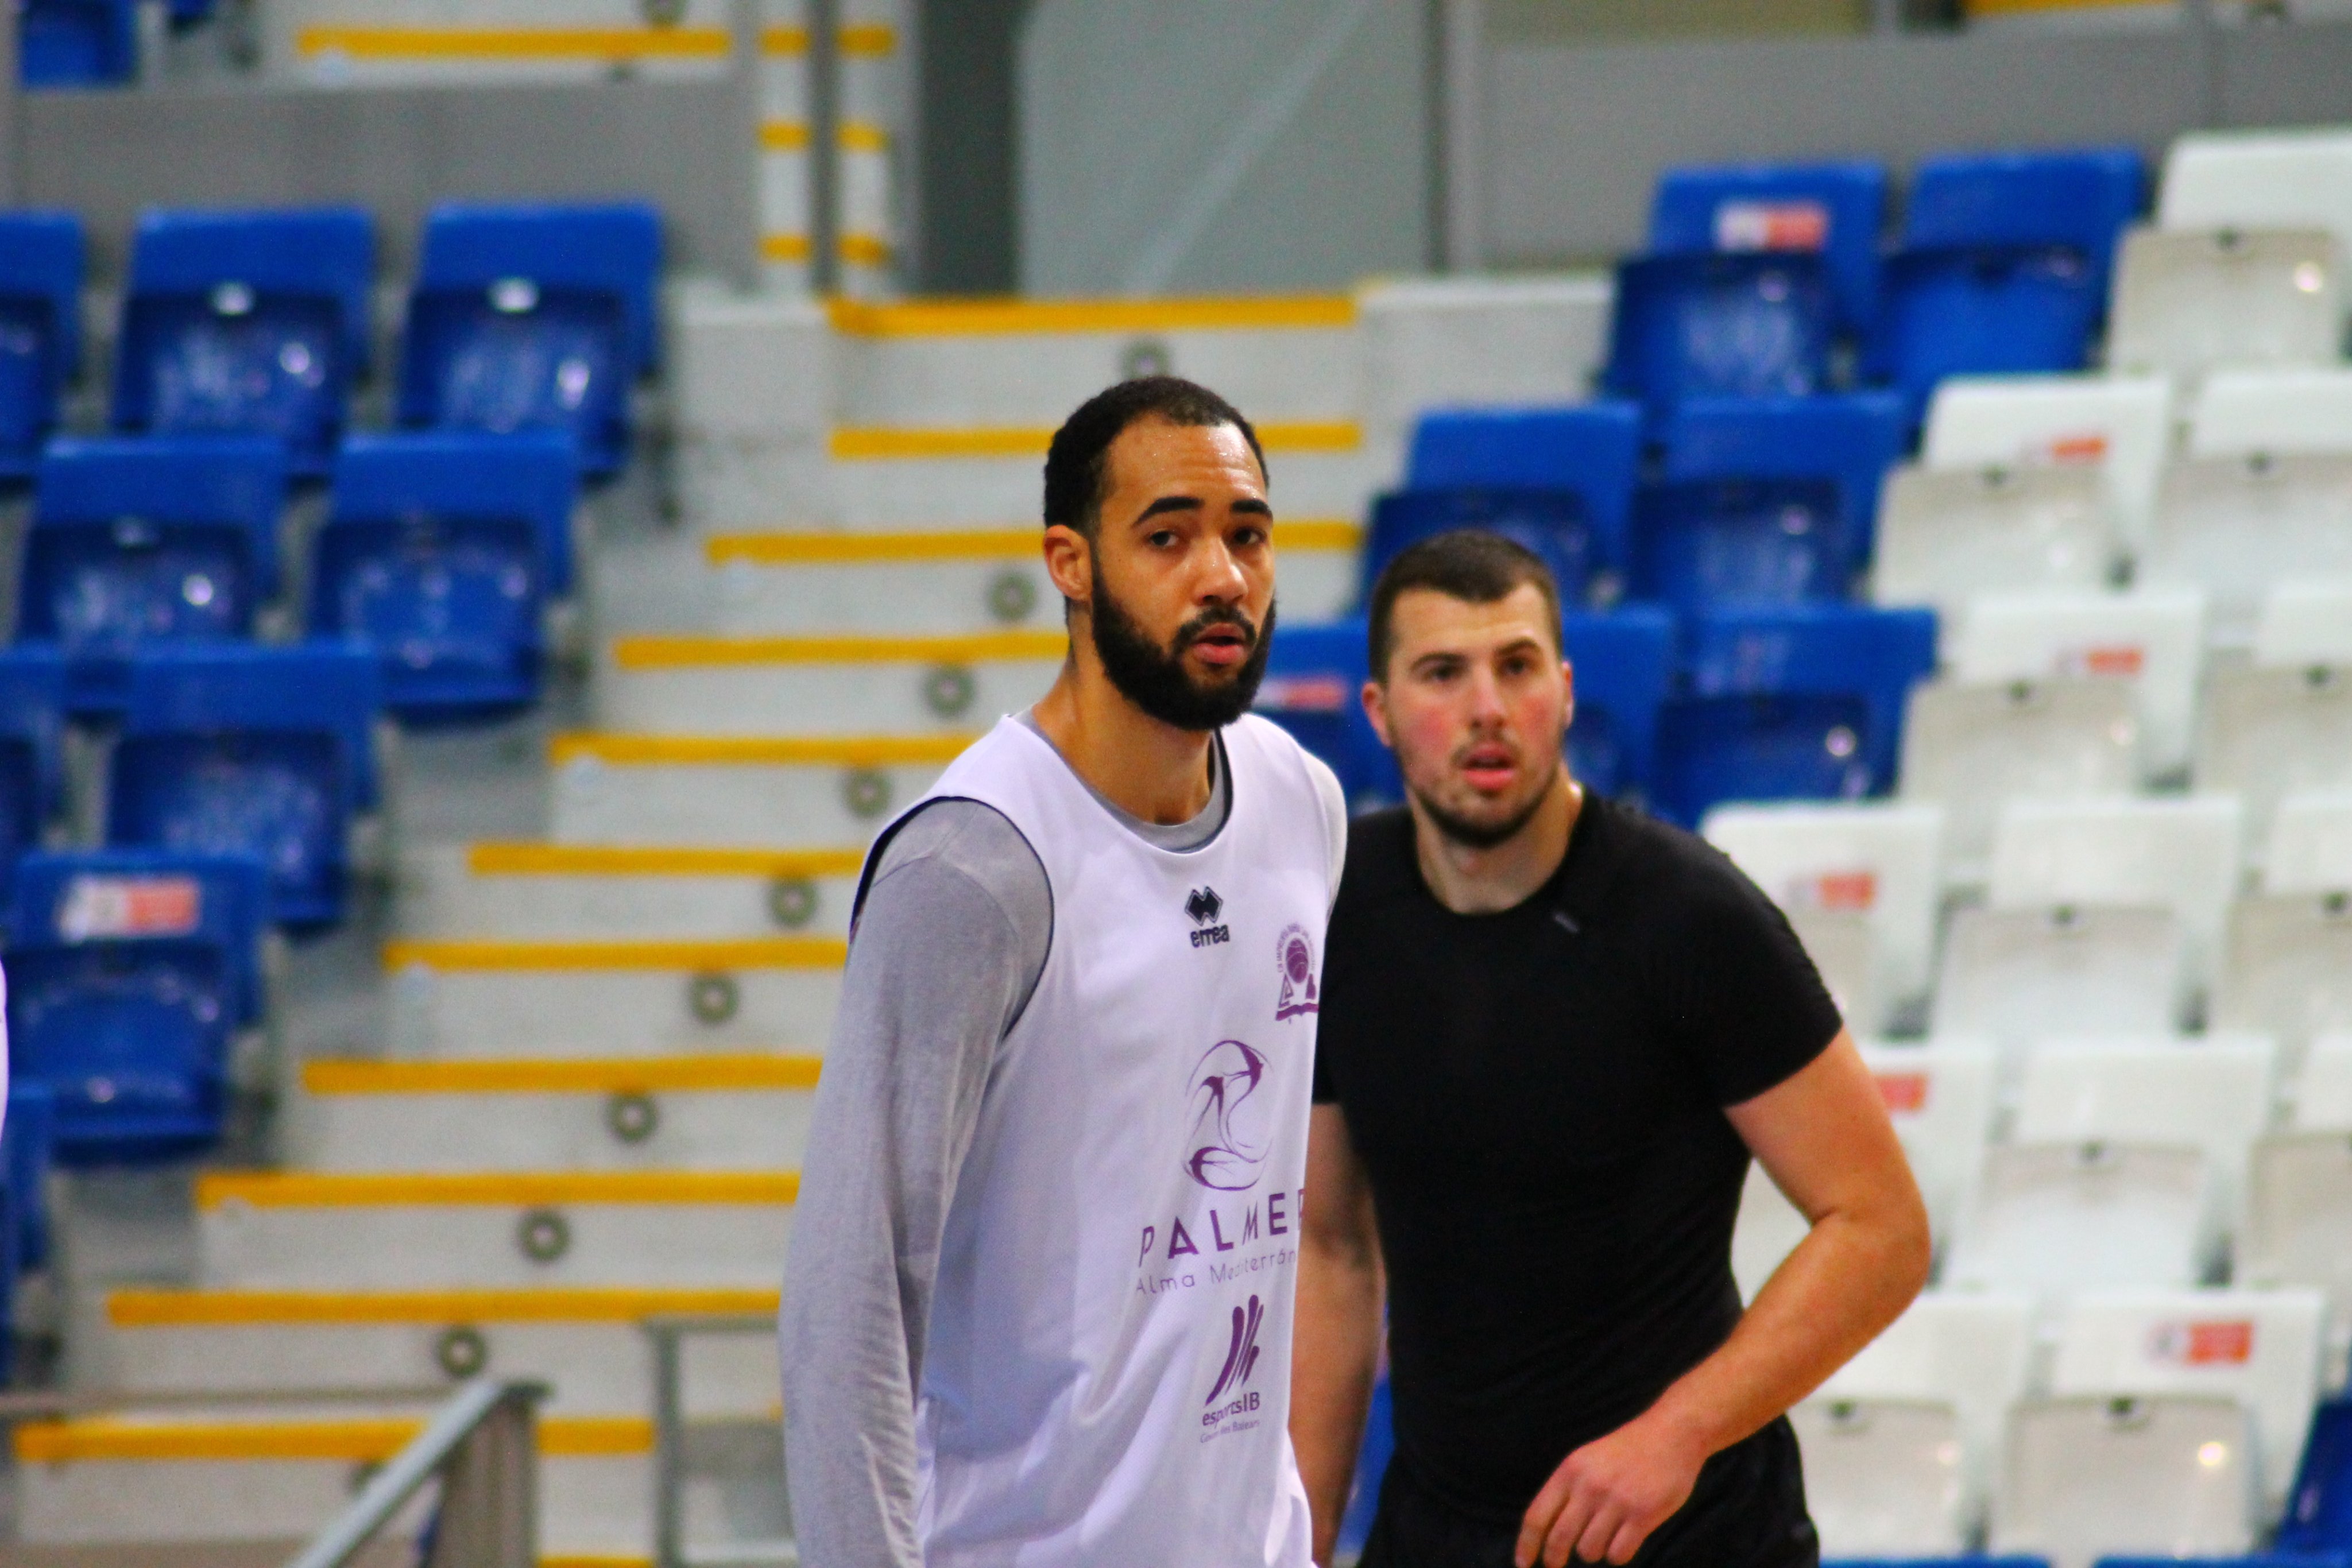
x=1824, y=1138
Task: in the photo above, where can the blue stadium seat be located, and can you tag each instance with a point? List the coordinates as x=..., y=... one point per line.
x=28, y=1146
x=141, y=541
x=531, y=318
x=41, y=258
x=1558, y=480
x=76, y=43
x=1797, y=702
x=246, y=323
x=131, y=896
x=1685, y=326
x=2320, y=1509
x=1763, y=502
x=2005, y=265
x=1314, y=685
x=32, y=729
x=247, y=750
x=440, y=556
x=1836, y=209
x=1624, y=664
x=1372, y=1464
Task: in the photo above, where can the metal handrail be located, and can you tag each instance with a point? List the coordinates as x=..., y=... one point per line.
x=483, y=1446
x=668, y=1332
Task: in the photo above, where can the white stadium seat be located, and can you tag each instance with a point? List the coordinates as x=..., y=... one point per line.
x=1969, y=1354
x=2087, y=1478
x=1884, y=1477
x=1941, y=1096
x=2310, y=846
x=2016, y=975
x=1948, y=535
x=2323, y=1095
x=2299, y=1226
x=2188, y=302
x=1971, y=748
x=1879, y=862
x=2268, y=732
x=2287, y=969
x=2292, y=409
x=2152, y=641
x=2241, y=527
x=2259, y=179
x=2119, y=427
x=2181, y=854
x=2305, y=622
x=2213, y=1093
x=2260, y=1348
x=2056, y=1218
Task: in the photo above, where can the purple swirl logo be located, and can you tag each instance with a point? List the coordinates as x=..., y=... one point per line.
x=1227, y=1141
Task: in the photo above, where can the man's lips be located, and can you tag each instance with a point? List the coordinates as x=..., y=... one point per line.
x=1221, y=645
x=1490, y=768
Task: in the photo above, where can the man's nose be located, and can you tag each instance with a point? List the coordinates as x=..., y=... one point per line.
x=1220, y=581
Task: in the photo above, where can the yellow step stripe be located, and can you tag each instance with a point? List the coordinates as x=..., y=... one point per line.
x=499, y=1189
x=351, y=1440
x=868, y=38
x=782, y=549
x=867, y=250
x=478, y=956
x=397, y=43
x=626, y=1075
x=156, y=1309
x=784, y=135
x=993, y=318
x=666, y=652
x=784, y=40
x=865, y=444
x=793, y=136
x=656, y=860
x=759, y=750
x=594, y=1560
x=784, y=247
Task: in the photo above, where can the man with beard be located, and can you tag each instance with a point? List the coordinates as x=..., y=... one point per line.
x=1554, y=1033
x=1038, y=1305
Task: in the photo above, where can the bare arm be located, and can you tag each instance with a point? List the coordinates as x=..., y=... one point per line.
x=1337, y=1346
x=1824, y=1138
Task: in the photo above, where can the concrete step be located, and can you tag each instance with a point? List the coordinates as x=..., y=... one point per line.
x=409, y=1230
x=623, y=890
x=964, y=580
x=823, y=684
x=493, y=998
x=130, y=1479
x=584, y=1342
x=789, y=791
x=662, y=1112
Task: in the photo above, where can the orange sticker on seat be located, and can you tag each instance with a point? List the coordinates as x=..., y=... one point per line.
x=1772, y=226
x=2111, y=661
x=2216, y=1342
x=98, y=907
x=2082, y=446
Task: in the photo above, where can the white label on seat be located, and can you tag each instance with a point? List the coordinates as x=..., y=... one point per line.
x=96, y=907
x=1772, y=226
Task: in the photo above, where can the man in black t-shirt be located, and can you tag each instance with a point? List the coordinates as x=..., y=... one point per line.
x=1553, y=1033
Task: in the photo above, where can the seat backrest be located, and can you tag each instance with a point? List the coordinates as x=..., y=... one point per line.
x=2259, y=180
x=238, y=480
x=2121, y=425
x=2214, y=1092
x=2085, y=1477
x=1593, y=450
x=309, y=689
x=325, y=251
x=1884, y=1476
x=1553, y=524
x=125, y=898
x=2304, y=623
x=2188, y=303
x=2018, y=976
x=41, y=257
x=2054, y=1218
x=2259, y=1347
x=1313, y=688
x=1949, y=536
x=1720, y=325
x=2238, y=527
x=2179, y=853
x=612, y=247
x=1972, y=1351
x=2287, y=971
x=76, y=43
x=2081, y=198
x=1837, y=209
x=2310, y=843
x=1853, y=440
x=2154, y=640
x=1880, y=859
x=2274, y=409
x=531, y=476
x=1818, y=649
x=1973, y=746
x=1624, y=664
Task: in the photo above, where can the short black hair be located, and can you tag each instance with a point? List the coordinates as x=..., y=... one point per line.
x=1076, y=465
x=1469, y=564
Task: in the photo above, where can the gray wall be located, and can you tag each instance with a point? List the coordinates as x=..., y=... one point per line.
x=1222, y=145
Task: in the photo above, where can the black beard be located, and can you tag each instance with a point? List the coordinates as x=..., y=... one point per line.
x=1154, y=679
x=1484, y=835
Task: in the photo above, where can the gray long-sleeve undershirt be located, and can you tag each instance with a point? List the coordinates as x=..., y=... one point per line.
x=949, y=944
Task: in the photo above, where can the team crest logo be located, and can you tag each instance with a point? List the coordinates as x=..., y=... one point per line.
x=1229, y=1140
x=1294, y=953
x=1241, y=1354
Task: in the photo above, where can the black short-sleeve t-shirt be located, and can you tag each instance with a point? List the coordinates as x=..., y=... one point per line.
x=1537, y=1096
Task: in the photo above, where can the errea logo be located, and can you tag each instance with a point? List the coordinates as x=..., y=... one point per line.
x=1203, y=906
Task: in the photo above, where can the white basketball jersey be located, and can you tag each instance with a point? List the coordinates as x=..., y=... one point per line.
x=1107, y=1378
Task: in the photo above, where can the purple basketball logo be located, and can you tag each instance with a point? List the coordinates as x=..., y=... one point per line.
x=1294, y=953
x=1228, y=1139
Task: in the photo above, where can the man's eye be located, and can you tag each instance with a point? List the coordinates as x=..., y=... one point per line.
x=1160, y=538
x=1247, y=537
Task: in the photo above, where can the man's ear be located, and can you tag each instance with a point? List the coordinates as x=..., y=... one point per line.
x=1069, y=562
x=1376, y=708
x=1567, y=714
